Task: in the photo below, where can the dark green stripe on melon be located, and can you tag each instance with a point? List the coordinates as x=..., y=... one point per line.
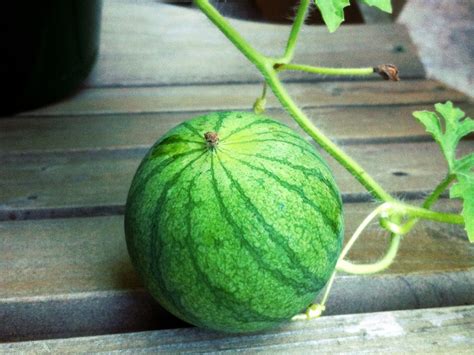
x=239, y=237
x=265, y=123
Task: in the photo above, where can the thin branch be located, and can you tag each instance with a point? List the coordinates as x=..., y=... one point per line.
x=295, y=30
x=326, y=70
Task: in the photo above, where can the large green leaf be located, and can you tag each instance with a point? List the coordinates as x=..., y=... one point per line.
x=455, y=127
x=448, y=126
x=333, y=10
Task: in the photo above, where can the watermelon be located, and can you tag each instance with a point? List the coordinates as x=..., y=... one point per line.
x=234, y=222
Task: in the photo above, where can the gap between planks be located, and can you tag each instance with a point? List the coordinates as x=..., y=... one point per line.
x=192, y=98
x=90, y=253
x=65, y=181
x=131, y=311
x=357, y=125
x=143, y=44
x=78, y=279
x=22, y=214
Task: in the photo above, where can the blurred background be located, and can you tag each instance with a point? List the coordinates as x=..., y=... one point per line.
x=50, y=47
x=443, y=30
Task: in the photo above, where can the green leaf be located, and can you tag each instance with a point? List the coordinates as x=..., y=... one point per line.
x=464, y=189
x=455, y=127
x=464, y=164
x=447, y=127
x=384, y=5
x=333, y=10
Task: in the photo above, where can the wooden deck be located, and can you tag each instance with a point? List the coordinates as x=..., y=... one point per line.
x=442, y=330
x=66, y=169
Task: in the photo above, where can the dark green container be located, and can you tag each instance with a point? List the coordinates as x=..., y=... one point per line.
x=47, y=50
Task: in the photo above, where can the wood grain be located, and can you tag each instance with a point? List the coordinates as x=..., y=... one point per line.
x=65, y=277
x=35, y=185
x=158, y=44
x=183, y=98
x=365, y=124
x=77, y=255
x=438, y=330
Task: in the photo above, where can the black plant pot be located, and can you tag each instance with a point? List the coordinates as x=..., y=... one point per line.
x=47, y=49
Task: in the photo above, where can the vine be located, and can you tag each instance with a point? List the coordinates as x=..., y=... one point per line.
x=391, y=212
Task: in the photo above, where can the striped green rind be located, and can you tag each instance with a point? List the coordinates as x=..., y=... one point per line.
x=238, y=238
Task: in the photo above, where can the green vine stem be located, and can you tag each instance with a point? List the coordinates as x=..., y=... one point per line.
x=420, y=212
x=380, y=265
x=337, y=153
x=375, y=213
x=269, y=68
x=396, y=210
x=266, y=67
x=443, y=185
x=384, y=262
x=429, y=201
x=295, y=30
x=327, y=71
x=259, y=105
x=316, y=309
x=242, y=45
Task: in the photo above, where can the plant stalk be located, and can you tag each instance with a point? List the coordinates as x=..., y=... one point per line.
x=443, y=185
x=337, y=153
x=420, y=212
x=380, y=265
x=295, y=30
x=394, y=209
x=266, y=67
x=429, y=201
x=384, y=262
x=269, y=68
x=242, y=45
x=327, y=71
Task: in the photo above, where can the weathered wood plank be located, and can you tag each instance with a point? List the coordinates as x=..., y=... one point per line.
x=356, y=124
x=88, y=254
x=147, y=44
x=33, y=186
x=106, y=312
x=65, y=277
x=242, y=96
x=436, y=330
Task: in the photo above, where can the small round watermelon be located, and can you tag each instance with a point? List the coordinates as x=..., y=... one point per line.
x=234, y=222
